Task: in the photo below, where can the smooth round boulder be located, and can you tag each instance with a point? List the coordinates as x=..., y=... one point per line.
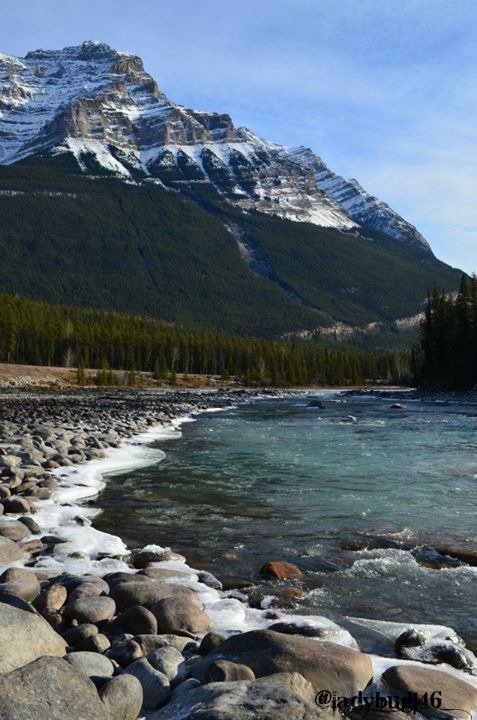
x=25, y=636
x=49, y=689
x=144, y=591
x=155, y=685
x=122, y=697
x=96, y=643
x=75, y=635
x=227, y=671
x=324, y=664
x=137, y=620
x=9, y=551
x=91, y=609
x=90, y=664
x=32, y=526
x=167, y=660
x=456, y=695
x=53, y=598
x=210, y=642
x=125, y=652
x=13, y=530
x=21, y=583
x=181, y=613
x=89, y=588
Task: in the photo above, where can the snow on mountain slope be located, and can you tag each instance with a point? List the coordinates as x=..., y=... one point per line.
x=95, y=103
x=362, y=207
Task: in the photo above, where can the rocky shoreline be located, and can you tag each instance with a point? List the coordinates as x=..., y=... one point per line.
x=90, y=629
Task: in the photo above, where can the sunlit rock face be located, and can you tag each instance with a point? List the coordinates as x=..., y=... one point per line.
x=100, y=107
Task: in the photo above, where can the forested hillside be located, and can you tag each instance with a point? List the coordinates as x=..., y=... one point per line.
x=95, y=241
x=42, y=334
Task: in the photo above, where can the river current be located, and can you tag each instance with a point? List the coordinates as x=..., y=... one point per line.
x=356, y=492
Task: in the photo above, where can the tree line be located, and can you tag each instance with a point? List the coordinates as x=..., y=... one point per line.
x=449, y=339
x=38, y=333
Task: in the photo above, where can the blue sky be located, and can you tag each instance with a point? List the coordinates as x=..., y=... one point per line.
x=384, y=90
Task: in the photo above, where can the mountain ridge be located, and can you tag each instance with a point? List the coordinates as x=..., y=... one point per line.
x=93, y=102
x=112, y=196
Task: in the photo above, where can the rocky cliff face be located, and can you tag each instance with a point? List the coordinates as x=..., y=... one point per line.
x=100, y=105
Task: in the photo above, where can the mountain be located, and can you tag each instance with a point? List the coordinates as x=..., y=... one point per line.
x=98, y=165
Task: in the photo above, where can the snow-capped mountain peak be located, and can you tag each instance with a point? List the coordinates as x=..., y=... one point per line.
x=95, y=103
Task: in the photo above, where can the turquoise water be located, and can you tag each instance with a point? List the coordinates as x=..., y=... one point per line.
x=282, y=479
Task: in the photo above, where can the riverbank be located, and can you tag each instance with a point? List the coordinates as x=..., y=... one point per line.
x=148, y=629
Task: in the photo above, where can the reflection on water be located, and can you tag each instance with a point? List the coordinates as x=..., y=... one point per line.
x=281, y=479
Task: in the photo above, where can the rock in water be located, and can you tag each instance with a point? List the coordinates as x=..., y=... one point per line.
x=49, y=689
x=323, y=664
x=24, y=637
x=281, y=570
x=284, y=696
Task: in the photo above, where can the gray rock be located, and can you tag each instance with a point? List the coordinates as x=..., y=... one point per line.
x=10, y=461
x=82, y=632
x=96, y=643
x=90, y=664
x=25, y=636
x=9, y=551
x=153, y=642
x=226, y=671
x=122, y=697
x=125, y=652
x=456, y=695
x=13, y=530
x=210, y=642
x=283, y=696
x=145, y=592
x=86, y=590
x=32, y=526
x=53, y=598
x=181, y=613
x=155, y=685
x=167, y=660
x=91, y=609
x=21, y=583
x=324, y=664
x=49, y=689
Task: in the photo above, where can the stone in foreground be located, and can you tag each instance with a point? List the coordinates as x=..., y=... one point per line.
x=284, y=696
x=24, y=637
x=457, y=696
x=122, y=696
x=49, y=689
x=323, y=664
